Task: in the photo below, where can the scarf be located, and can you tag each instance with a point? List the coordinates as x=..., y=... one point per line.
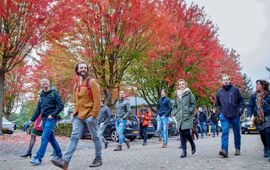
x=259, y=102
x=180, y=93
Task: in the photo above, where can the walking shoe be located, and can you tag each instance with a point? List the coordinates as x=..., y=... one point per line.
x=106, y=144
x=27, y=154
x=223, y=153
x=237, y=152
x=127, y=143
x=164, y=145
x=36, y=161
x=61, y=163
x=96, y=162
x=118, y=148
x=144, y=144
x=193, y=150
x=184, y=154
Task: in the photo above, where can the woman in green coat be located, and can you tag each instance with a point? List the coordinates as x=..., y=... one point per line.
x=184, y=105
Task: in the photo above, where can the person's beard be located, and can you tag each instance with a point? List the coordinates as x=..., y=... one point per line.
x=83, y=73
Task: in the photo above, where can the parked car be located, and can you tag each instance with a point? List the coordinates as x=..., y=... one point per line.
x=247, y=126
x=172, y=130
x=8, y=127
x=131, y=131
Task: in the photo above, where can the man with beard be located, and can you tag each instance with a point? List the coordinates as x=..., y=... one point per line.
x=230, y=106
x=86, y=110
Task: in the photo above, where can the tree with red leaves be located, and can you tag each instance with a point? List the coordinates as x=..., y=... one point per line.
x=23, y=25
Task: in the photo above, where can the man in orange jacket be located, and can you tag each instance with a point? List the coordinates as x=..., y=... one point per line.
x=144, y=116
x=86, y=110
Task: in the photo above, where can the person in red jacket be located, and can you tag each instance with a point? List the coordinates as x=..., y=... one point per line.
x=144, y=116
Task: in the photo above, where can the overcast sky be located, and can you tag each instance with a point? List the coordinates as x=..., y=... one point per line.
x=244, y=25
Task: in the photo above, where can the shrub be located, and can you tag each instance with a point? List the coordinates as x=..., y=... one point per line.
x=63, y=129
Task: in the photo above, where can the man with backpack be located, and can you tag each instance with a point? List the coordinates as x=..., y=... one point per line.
x=49, y=106
x=86, y=110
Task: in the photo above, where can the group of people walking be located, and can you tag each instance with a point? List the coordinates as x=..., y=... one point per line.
x=90, y=110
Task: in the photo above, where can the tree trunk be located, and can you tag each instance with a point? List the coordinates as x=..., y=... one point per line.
x=2, y=86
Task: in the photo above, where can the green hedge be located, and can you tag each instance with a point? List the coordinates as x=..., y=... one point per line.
x=63, y=129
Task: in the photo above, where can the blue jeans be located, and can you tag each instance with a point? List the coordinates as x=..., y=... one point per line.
x=102, y=127
x=225, y=124
x=48, y=136
x=203, y=128
x=162, y=128
x=143, y=132
x=120, y=126
x=77, y=130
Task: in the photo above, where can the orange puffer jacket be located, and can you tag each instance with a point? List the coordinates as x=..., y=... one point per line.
x=146, y=118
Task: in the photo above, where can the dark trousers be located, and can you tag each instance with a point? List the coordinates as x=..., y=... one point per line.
x=143, y=133
x=265, y=137
x=184, y=136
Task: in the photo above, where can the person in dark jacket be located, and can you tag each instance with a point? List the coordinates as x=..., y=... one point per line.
x=164, y=108
x=123, y=111
x=202, y=121
x=230, y=106
x=259, y=106
x=214, y=122
x=184, y=106
x=49, y=105
x=104, y=117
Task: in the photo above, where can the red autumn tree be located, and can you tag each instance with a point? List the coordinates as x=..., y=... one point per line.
x=23, y=25
x=110, y=35
x=58, y=67
x=16, y=87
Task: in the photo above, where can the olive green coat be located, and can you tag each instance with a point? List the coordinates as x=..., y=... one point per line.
x=183, y=110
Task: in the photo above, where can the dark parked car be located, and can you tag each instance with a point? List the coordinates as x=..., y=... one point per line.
x=172, y=130
x=131, y=132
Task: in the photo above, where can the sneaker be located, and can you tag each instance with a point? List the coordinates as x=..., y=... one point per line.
x=96, y=163
x=223, y=153
x=164, y=146
x=237, y=152
x=61, y=163
x=144, y=144
x=36, y=161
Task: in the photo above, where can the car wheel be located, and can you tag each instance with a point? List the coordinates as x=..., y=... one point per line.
x=114, y=136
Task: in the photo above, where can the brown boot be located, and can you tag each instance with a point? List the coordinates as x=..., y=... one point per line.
x=118, y=148
x=127, y=143
x=61, y=163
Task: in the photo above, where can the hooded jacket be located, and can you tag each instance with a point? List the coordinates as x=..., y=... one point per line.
x=49, y=103
x=229, y=101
